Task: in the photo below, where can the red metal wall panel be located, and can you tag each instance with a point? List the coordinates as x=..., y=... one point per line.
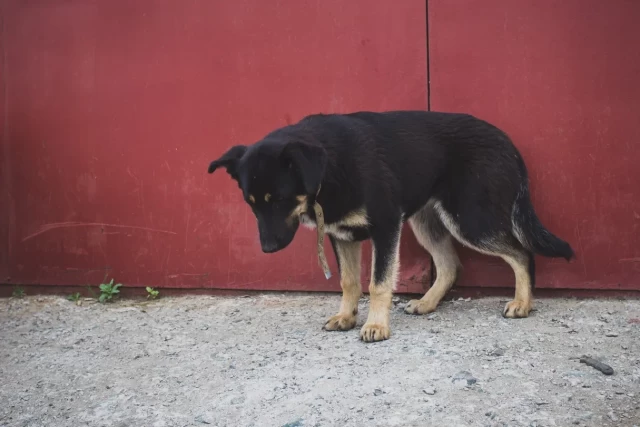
x=115, y=108
x=561, y=77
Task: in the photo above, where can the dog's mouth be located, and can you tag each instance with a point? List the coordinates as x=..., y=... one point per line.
x=275, y=242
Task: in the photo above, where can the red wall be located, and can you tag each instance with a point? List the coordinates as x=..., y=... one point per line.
x=561, y=77
x=113, y=110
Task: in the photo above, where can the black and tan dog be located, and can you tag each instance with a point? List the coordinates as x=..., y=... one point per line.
x=452, y=176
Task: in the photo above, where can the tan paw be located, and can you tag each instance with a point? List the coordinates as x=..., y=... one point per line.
x=372, y=332
x=516, y=309
x=418, y=306
x=340, y=322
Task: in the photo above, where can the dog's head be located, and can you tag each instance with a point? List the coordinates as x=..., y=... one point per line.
x=279, y=178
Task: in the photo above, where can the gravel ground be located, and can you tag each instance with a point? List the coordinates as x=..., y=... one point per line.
x=264, y=361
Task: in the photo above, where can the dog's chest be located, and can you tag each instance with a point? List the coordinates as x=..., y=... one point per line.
x=341, y=230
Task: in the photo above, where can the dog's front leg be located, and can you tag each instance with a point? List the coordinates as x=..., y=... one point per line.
x=348, y=255
x=384, y=274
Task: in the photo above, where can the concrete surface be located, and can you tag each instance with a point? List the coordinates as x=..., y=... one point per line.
x=264, y=361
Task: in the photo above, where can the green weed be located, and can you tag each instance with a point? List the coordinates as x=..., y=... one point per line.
x=108, y=291
x=153, y=293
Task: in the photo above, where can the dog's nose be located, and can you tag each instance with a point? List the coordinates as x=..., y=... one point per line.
x=269, y=247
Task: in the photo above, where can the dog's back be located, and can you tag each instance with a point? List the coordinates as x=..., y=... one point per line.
x=411, y=156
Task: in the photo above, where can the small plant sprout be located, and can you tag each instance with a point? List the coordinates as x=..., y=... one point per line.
x=153, y=293
x=18, y=292
x=75, y=298
x=108, y=291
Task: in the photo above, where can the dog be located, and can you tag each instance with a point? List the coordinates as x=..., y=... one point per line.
x=450, y=175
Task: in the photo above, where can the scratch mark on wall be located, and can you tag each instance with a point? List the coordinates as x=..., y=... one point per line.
x=629, y=260
x=48, y=227
x=175, y=276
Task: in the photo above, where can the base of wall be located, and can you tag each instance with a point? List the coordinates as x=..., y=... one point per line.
x=457, y=292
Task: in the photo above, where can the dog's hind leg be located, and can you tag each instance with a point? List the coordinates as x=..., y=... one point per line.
x=348, y=255
x=499, y=243
x=384, y=275
x=523, y=266
x=436, y=239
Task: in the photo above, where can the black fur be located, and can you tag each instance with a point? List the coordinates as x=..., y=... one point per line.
x=393, y=165
x=536, y=237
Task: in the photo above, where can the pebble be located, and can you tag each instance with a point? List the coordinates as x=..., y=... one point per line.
x=490, y=414
x=611, y=334
x=202, y=419
x=463, y=379
x=497, y=352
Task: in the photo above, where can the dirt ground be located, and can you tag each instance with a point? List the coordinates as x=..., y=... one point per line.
x=264, y=361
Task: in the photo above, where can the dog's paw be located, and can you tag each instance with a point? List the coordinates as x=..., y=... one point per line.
x=516, y=309
x=372, y=332
x=418, y=306
x=340, y=322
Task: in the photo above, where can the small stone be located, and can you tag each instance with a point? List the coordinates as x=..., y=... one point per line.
x=202, y=419
x=611, y=334
x=296, y=423
x=377, y=392
x=430, y=391
x=463, y=379
x=612, y=416
x=497, y=352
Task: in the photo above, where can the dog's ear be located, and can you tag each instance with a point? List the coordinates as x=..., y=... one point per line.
x=229, y=160
x=309, y=161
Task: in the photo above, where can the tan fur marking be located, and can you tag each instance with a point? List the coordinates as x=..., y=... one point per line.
x=267, y=197
x=522, y=303
x=251, y=198
x=349, y=254
x=447, y=266
x=380, y=295
x=300, y=209
x=377, y=326
x=356, y=218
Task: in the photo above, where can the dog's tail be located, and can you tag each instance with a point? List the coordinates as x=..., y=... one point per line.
x=528, y=229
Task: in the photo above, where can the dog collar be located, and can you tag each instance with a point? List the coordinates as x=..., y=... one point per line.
x=322, y=258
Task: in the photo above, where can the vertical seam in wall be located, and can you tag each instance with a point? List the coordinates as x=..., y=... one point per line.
x=428, y=57
x=6, y=166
